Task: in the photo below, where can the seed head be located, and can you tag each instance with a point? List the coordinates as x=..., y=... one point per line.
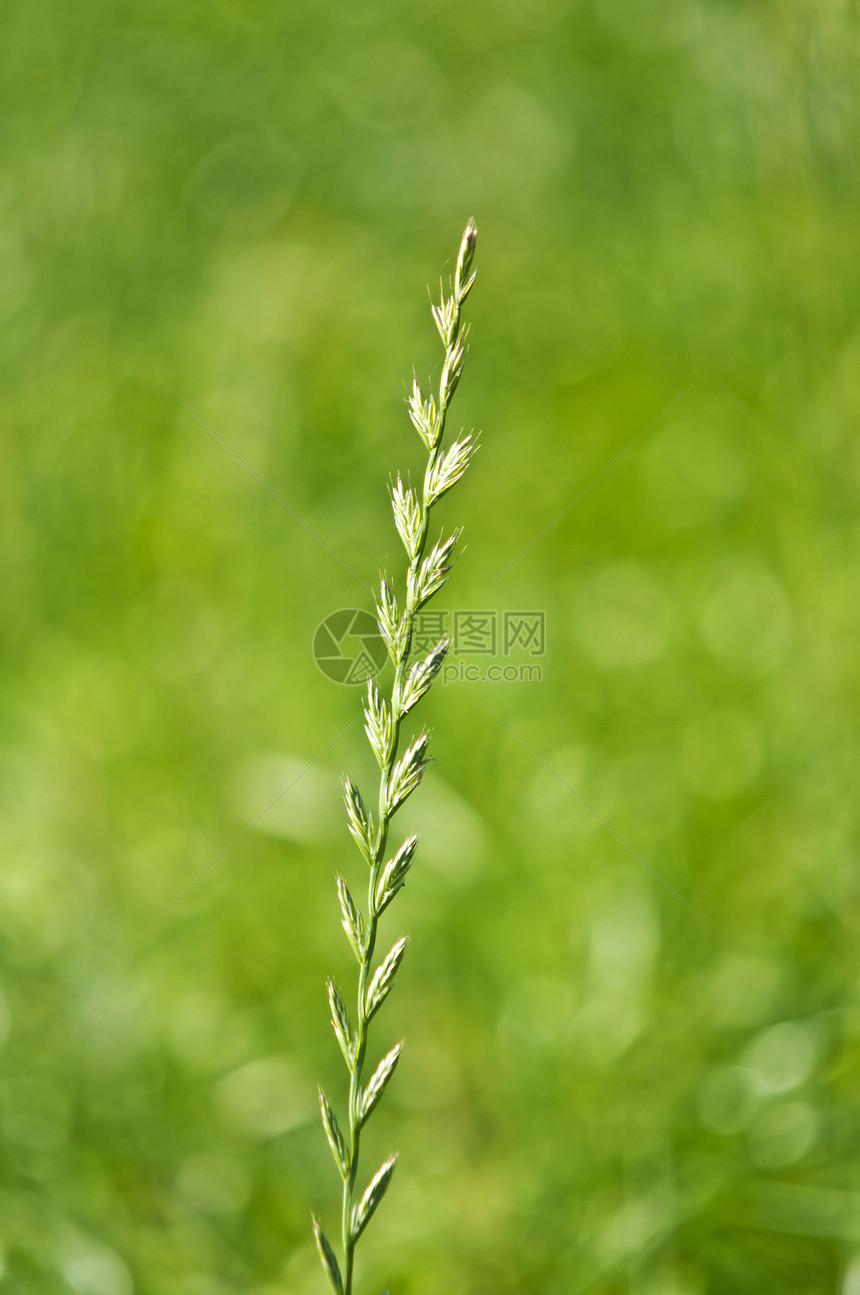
x=464, y=261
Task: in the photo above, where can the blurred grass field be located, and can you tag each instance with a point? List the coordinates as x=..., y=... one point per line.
x=631, y=1002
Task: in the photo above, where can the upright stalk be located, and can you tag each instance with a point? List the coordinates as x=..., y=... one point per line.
x=398, y=777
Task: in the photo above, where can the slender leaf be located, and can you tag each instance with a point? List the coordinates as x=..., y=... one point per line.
x=406, y=774
x=378, y=725
x=393, y=875
x=341, y=1024
x=328, y=1257
x=353, y=922
x=334, y=1133
x=363, y=1212
x=383, y=979
x=420, y=677
x=360, y=820
x=378, y=1082
x=407, y=516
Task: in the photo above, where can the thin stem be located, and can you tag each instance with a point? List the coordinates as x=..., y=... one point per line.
x=430, y=420
x=349, y=1242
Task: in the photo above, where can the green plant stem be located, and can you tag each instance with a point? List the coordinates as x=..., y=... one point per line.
x=384, y=718
x=379, y=856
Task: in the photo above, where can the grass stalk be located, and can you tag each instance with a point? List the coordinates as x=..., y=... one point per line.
x=399, y=774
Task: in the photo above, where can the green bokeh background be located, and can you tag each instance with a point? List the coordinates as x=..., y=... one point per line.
x=217, y=221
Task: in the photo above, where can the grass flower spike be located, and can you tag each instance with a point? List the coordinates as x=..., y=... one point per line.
x=400, y=775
